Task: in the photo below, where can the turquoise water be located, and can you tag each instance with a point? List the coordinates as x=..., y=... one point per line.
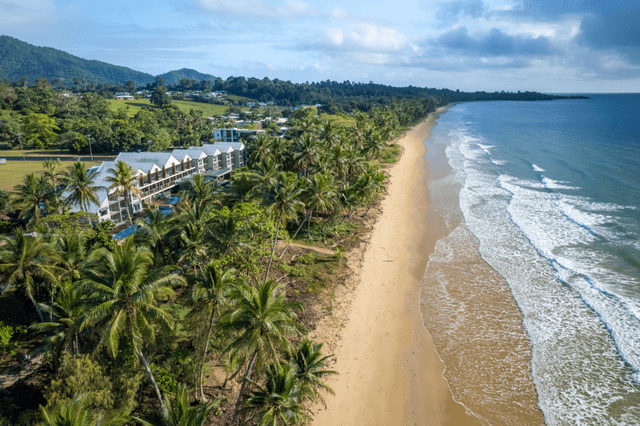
x=547, y=206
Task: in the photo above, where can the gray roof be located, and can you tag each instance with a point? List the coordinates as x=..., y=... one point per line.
x=210, y=150
x=191, y=152
x=159, y=158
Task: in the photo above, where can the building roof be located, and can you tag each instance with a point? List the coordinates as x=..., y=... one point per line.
x=193, y=153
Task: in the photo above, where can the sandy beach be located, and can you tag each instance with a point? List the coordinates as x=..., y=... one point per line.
x=390, y=373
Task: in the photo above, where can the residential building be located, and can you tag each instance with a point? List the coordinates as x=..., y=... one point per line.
x=158, y=173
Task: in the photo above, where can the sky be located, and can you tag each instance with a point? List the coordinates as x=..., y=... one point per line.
x=550, y=46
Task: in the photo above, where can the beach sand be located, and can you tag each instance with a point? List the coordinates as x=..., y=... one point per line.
x=390, y=373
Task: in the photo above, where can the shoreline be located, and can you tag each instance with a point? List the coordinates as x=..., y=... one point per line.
x=390, y=373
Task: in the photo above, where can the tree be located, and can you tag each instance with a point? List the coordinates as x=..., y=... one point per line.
x=281, y=199
x=278, y=402
x=210, y=289
x=263, y=320
x=81, y=375
x=25, y=259
x=181, y=413
x=40, y=130
x=32, y=194
x=130, y=86
x=63, y=330
x=4, y=200
x=77, y=413
x=159, y=97
x=310, y=368
x=123, y=181
x=81, y=182
x=123, y=292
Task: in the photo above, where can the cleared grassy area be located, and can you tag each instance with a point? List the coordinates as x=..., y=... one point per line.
x=132, y=107
x=45, y=153
x=13, y=172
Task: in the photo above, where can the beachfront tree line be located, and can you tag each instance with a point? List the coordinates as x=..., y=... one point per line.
x=142, y=321
x=38, y=117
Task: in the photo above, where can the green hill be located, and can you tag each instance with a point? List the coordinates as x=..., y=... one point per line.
x=174, y=77
x=19, y=59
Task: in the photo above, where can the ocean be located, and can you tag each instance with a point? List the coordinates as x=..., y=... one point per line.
x=532, y=295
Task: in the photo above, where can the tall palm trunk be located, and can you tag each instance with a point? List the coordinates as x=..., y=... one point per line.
x=294, y=235
x=204, y=356
x=35, y=305
x=244, y=383
x=275, y=240
x=163, y=407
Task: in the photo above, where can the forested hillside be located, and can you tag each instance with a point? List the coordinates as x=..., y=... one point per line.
x=22, y=60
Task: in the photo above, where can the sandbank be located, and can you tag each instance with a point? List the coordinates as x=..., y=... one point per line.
x=390, y=373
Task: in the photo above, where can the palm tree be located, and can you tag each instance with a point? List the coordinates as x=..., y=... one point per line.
x=32, y=193
x=82, y=185
x=68, y=313
x=199, y=190
x=123, y=181
x=242, y=188
x=310, y=367
x=25, y=259
x=281, y=199
x=123, y=291
x=305, y=152
x=278, y=402
x=319, y=195
x=209, y=294
x=263, y=320
x=77, y=413
x=181, y=413
x=153, y=233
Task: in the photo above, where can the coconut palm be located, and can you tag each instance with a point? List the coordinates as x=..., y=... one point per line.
x=278, y=402
x=32, y=194
x=242, y=188
x=199, y=190
x=25, y=260
x=154, y=234
x=263, y=320
x=181, y=413
x=305, y=152
x=123, y=180
x=67, y=311
x=281, y=199
x=76, y=412
x=310, y=367
x=123, y=290
x=81, y=183
x=319, y=195
x=210, y=289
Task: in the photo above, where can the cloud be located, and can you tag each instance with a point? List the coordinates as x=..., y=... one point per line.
x=363, y=37
x=257, y=8
x=14, y=12
x=494, y=43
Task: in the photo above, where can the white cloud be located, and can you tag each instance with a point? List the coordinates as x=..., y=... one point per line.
x=14, y=12
x=367, y=37
x=339, y=13
x=252, y=8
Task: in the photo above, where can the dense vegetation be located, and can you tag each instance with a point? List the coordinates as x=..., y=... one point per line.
x=136, y=328
x=22, y=60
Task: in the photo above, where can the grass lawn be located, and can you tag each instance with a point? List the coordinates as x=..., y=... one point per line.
x=12, y=172
x=136, y=105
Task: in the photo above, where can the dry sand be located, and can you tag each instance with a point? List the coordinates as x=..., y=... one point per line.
x=390, y=373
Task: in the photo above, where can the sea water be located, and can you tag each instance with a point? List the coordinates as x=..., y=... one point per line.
x=532, y=296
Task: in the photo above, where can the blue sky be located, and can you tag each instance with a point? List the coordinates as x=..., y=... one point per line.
x=542, y=45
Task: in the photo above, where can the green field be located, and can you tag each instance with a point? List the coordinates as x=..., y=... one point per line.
x=132, y=107
x=12, y=172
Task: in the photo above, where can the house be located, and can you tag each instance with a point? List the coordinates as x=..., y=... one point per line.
x=234, y=134
x=126, y=96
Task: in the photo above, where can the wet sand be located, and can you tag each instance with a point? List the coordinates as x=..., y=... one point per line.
x=390, y=373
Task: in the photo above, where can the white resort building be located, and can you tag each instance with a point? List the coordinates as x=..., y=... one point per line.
x=159, y=172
